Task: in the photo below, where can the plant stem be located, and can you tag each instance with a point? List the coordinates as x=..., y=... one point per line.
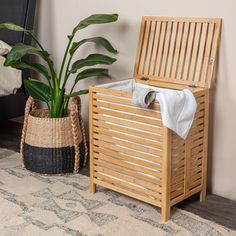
x=67, y=102
x=65, y=56
x=67, y=73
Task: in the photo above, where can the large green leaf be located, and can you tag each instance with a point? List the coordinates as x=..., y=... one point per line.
x=95, y=19
x=32, y=66
x=74, y=94
x=14, y=27
x=98, y=40
x=19, y=51
x=91, y=60
x=92, y=72
x=38, y=90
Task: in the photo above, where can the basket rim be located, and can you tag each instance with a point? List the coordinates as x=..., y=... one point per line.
x=48, y=118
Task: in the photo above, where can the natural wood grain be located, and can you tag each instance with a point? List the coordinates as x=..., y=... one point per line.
x=91, y=140
x=165, y=208
x=132, y=151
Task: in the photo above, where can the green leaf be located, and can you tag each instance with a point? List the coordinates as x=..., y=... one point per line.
x=96, y=19
x=32, y=66
x=91, y=60
x=74, y=94
x=98, y=40
x=20, y=50
x=92, y=72
x=14, y=27
x=38, y=90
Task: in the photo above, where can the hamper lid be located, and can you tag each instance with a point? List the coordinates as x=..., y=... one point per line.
x=177, y=50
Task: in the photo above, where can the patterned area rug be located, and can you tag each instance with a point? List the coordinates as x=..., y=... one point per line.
x=31, y=204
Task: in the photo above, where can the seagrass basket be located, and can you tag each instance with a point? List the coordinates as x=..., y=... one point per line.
x=53, y=145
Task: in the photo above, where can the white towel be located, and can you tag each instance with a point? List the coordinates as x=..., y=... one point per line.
x=177, y=107
x=10, y=79
x=177, y=110
x=4, y=48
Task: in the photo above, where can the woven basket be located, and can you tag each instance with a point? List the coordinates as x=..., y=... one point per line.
x=53, y=145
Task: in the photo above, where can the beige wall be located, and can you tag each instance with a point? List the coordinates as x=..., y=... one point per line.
x=56, y=18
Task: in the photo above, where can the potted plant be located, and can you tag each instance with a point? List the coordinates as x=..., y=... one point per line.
x=52, y=137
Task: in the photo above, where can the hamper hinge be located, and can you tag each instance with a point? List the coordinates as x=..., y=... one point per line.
x=144, y=78
x=193, y=85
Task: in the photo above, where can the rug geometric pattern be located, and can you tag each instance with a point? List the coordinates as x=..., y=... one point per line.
x=36, y=205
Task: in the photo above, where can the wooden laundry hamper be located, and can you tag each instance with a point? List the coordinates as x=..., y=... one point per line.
x=131, y=151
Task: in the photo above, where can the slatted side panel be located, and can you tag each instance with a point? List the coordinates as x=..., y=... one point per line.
x=197, y=144
x=187, y=156
x=177, y=166
x=128, y=143
x=178, y=48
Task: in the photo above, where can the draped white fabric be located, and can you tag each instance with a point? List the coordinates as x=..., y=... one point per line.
x=10, y=78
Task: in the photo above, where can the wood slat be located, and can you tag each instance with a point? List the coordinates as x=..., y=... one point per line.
x=135, y=160
x=171, y=50
x=136, y=188
x=127, y=151
x=129, y=145
x=124, y=101
x=157, y=130
x=183, y=50
x=196, y=143
x=196, y=150
x=180, y=19
x=150, y=47
x=206, y=57
x=166, y=49
x=182, y=197
x=139, y=133
x=196, y=184
x=177, y=193
x=129, y=179
x=178, y=179
x=128, y=109
x=127, y=165
x=123, y=136
x=214, y=47
x=201, y=52
x=144, y=48
x=196, y=177
x=188, y=52
x=155, y=47
x=112, y=92
x=126, y=116
x=128, y=193
x=177, y=49
x=141, y=176
x=160, y=48
x=195, y=51
x=177, y=186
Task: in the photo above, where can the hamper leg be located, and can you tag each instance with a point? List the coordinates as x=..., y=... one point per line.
x=203, y=195
x=165, y=213
x=93, y=187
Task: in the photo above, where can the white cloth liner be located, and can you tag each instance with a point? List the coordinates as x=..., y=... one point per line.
x=10, y=78
x=177, y=107
x=143, y=96
x=4, y=48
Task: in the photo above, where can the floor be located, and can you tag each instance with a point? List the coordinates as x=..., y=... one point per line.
x=215, y=208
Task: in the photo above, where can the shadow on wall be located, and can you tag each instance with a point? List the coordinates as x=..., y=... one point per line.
x=47, y=30
x=215, y=136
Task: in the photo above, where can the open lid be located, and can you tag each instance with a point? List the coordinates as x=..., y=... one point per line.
x=177, y=50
